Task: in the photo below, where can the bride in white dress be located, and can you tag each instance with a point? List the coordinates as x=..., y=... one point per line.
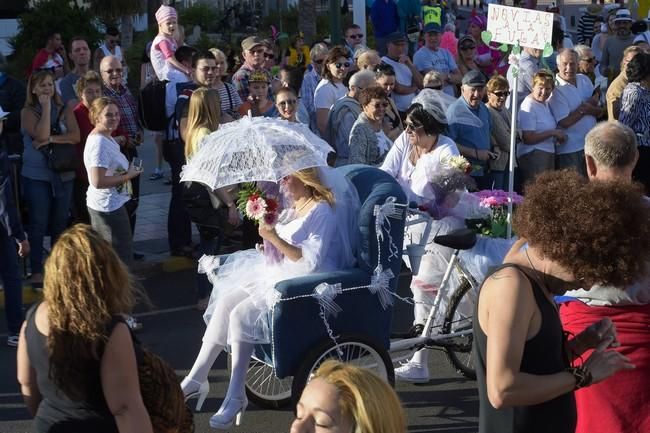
x=316, y=234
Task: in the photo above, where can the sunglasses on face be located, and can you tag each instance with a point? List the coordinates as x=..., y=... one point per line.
x=588, y=59
x=434, y=87
x=287, y=102
x=342, y=65
x=467, y=47
x=503, y=94
x=356, y=36
x=411, y=127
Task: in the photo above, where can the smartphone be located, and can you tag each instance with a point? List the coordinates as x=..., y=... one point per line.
x=137, y=163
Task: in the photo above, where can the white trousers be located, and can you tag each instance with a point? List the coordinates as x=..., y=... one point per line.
x=234, y=319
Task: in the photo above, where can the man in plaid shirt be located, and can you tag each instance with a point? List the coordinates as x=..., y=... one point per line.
x=253, y=51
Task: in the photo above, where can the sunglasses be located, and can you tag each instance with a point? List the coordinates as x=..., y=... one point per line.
x=360, y=36
x=467, y=47
x=287, y=102
x=438, y=87
x=342, y=65
x=410, y=127
x=588, y=59
x=269, y=56
x=503, y=94
x=113, y=71
x=380, y=104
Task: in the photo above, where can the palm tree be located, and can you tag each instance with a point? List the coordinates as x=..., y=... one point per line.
x=307, y=19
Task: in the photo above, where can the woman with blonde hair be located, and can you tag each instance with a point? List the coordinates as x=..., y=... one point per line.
x=76, y=359
x=315, y=233
x=202, y=119
x=348, y=399
x=228, y=95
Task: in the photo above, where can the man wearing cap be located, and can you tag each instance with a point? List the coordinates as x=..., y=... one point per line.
x=614, y=46
x=432, y=57
x=473, y=141
x=385, y=21
x=408, y=79
x=575, y=108
x=253, y=51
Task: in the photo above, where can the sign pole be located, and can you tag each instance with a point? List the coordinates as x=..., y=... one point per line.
x=513, y=142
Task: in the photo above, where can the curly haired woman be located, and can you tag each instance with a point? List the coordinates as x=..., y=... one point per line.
x=76, y=363
x=579, y=233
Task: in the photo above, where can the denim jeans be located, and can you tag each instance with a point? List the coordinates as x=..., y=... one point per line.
x=10, y=275
x=45, y=212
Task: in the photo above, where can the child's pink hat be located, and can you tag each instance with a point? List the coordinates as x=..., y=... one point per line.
x=164, y=13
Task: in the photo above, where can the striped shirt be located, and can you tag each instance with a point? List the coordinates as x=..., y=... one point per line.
x=586, y=28
x=128, y=107
x=230, y=99
x=635, y=106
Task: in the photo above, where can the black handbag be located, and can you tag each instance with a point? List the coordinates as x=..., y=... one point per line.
x=60, y=156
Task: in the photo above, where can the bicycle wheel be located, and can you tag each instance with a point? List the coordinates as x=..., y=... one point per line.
x=458, y=318
x=263, y=388
x=357, y=351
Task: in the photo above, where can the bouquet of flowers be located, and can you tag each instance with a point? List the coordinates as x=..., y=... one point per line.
x=263, y=209
x=492, y=220
x=448, y=181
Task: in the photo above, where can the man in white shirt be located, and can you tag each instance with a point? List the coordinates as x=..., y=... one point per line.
x=575, y=107
x=408, y=78
x=431, y=57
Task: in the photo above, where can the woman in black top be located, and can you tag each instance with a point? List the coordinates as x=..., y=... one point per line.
x=76, y=362
x=578, y=233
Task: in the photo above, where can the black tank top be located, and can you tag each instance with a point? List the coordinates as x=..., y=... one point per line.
x=57, y=412
x=543, y=354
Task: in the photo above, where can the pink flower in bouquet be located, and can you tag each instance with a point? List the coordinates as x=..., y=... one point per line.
x=255, y=208
x=270, y=219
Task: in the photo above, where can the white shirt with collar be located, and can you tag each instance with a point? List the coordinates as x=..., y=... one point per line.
x=565, y=99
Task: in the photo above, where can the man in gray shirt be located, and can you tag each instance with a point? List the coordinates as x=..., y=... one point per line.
x=80, y=55
x=529, y=64
x=614, y=46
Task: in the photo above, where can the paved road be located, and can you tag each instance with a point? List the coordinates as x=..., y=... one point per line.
x=173, y=328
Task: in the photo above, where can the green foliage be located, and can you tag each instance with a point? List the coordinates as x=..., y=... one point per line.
x=287, y=22
x=50, y=16
x=110, y=11
x=200, y=15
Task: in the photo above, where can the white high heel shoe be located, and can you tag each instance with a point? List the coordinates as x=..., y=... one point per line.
x=192, y=388
x=232, y=410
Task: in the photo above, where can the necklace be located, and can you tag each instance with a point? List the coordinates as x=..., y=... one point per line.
x=304, y=204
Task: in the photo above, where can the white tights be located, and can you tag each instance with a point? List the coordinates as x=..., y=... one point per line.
x=233, y=317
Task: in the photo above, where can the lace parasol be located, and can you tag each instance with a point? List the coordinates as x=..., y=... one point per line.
x=255, y=149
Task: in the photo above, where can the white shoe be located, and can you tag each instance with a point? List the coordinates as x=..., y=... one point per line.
x=230, y=411
x=413, y=372
x=192, y=388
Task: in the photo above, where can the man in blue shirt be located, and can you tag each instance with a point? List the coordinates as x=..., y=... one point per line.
x=12, y=241
x=469, y=126
x=385, y=21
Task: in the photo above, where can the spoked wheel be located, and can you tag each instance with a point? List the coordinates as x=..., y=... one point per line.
x=263, y=388
x=357, y=351
x=458, y=318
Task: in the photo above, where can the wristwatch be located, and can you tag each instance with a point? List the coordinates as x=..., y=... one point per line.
x=582, y=376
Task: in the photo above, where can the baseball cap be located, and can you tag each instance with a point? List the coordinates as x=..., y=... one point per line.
x=432, y=27
x=431, y=103
x=474, y=79
x=258, y=77
x=396, y=38
x=251, y=42
x=623, y=15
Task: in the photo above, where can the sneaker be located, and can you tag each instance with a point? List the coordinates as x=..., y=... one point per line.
x=412, y=372
x=156, y=175
x=12, y=340
x=133, y=323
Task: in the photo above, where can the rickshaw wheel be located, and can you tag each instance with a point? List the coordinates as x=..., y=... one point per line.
x=355, y=350
x=263, y=388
